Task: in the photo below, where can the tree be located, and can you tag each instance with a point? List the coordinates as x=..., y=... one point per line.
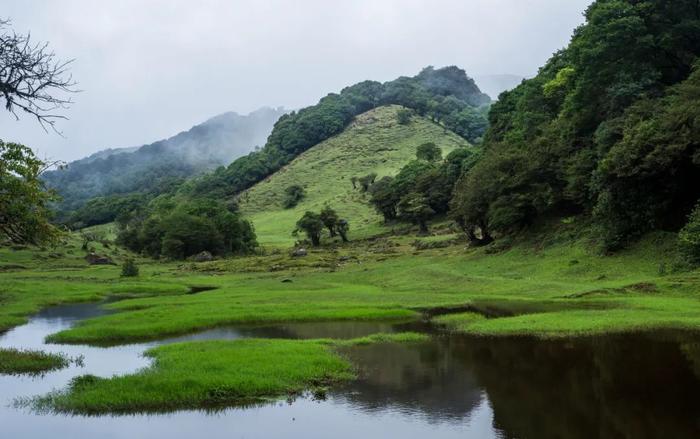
x=311, y=225
x=293, y=195
x=403, y=116
x=384, y=198
x=330, y=219
x=129, y=268
x=429, y=152
x=31, y=77
x=343, y=228
x=689, y=238
x=353, y=180
x=24, y=201
x=415, y=208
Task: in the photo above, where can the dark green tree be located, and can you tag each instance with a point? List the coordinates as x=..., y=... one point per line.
x=384, y=198
x=429, y=152
x=403, y=116
x=689, y=238
x=343, y=228
x=293, y=195
x=312, y=226
x=415, y=208
x=330, y=219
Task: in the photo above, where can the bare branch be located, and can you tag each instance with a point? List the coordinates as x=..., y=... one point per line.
x=30, y=77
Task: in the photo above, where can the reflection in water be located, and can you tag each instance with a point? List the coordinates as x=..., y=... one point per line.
x=607, y=387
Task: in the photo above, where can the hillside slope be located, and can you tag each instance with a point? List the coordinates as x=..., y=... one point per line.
x=215, y=142
x=373, y=142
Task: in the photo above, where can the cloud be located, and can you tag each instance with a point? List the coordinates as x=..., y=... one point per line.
x=149, y=69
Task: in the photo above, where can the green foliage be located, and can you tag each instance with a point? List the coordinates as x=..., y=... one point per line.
x=24, y=201
x=384, y=198
x=330, y=220
x=689, y=238
x=186, y=229
x=293, y=195
x=415, y=208
x=608, y=127
x=103, y=210
x=129, y=268
x=429, y=152
x=403, y=116
x=312, y=225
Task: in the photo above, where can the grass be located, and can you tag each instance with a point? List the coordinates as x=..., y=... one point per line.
x=549, y=284
x=16, y=362
x=214, y=374
x=459, y=321
x=374, y=142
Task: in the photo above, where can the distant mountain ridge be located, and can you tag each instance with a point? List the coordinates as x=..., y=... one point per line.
x=215, y=142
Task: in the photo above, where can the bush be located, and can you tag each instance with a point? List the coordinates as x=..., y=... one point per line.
x=129, y=268
x=689, y=238
x=293, y=195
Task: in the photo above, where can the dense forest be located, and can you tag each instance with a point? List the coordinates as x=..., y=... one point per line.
x=610, y=127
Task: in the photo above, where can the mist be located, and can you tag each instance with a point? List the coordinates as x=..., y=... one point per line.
x=148, y=70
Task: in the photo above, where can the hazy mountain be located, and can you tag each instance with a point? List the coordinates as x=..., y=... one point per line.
x=215, y=142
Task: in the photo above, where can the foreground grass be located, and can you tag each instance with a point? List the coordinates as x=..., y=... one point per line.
x=15, y=362
x=214, y=374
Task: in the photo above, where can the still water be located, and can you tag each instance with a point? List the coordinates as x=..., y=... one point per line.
x=634, y=386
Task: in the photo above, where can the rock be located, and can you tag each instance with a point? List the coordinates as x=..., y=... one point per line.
x=286, y=281
x=95, y=259
x=204, y=256
x=299, y=252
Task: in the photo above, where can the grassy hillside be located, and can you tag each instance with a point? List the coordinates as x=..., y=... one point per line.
x=374, y=142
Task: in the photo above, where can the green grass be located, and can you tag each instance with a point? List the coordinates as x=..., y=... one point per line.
x=543, y=285
x=459, y=321
x=374, y=142
x=215, y=373
x=15, y=361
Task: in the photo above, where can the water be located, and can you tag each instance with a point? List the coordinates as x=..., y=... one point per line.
x=638, y=386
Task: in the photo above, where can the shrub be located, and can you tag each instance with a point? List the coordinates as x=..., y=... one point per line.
x=293, y=195
x=689, y=238
x=129, y=268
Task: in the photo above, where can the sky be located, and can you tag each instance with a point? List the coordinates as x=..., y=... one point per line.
x=148, y=69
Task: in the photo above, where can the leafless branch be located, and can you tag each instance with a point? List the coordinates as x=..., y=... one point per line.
x=30, y=77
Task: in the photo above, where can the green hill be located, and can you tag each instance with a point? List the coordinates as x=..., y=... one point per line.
x=373, y=142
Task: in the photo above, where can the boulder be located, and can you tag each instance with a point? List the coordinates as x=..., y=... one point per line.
x=95, y=259
x=299, y=252
x=204, y=256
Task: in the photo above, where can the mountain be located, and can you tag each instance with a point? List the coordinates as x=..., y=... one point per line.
x=374, y=142
x=213, y=143
x=494, y=85
x=446, y=95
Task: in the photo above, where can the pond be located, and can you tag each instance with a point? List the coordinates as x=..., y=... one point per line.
x=631, y=386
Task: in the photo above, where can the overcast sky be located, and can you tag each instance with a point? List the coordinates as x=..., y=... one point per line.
x=151, y=68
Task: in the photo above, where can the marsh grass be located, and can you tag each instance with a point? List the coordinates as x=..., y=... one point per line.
x=216, y=373
x=30, y=362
